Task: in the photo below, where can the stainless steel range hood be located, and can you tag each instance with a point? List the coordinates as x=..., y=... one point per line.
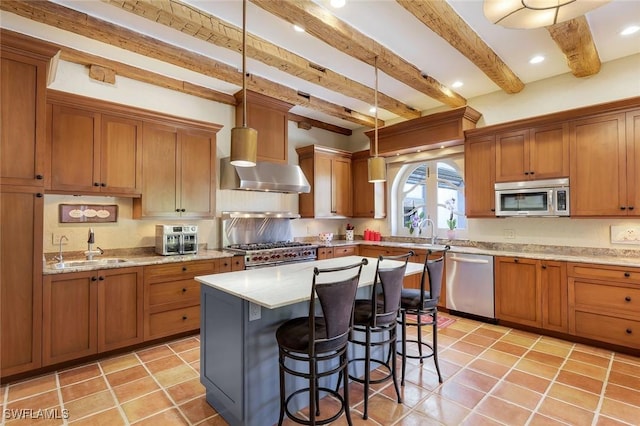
x=265, y=177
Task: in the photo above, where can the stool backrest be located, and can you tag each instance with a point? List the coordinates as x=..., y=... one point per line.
x=385, y=297
x=337, y=300
x=432, y=272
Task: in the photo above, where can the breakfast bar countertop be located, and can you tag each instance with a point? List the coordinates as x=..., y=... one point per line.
x=288, y=284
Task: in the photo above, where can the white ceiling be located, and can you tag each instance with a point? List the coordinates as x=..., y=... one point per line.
x=389, y=24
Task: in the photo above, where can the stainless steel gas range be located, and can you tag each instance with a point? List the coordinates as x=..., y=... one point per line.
x=264, y=239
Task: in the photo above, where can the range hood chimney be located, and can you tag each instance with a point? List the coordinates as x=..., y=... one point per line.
x=264, y=176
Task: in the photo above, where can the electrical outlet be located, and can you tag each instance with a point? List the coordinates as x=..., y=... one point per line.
x=254, y=312
x=55, y=239
x=509, y=233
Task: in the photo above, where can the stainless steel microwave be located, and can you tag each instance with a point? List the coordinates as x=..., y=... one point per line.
x=549, y=197
x=176, y=239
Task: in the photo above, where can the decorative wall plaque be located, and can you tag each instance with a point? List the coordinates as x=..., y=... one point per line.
x=88, y=213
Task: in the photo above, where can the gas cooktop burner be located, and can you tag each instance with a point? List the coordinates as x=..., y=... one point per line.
x=267, y=246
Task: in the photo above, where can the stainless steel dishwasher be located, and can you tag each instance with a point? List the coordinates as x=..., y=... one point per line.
x=470, y=285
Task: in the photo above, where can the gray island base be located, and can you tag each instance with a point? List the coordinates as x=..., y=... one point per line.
x=240, y=312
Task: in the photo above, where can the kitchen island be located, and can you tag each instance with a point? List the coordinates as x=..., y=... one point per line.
x=240, y=312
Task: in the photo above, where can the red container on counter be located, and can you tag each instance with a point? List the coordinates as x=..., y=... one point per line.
x=367, y=235
x=376, y=236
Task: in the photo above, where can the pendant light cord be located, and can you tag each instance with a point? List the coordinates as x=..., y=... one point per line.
x=244, y=63
x=375, y=64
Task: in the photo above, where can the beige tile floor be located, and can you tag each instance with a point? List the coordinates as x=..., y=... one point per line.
x=493, y=375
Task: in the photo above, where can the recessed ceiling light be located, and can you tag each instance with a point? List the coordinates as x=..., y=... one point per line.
x=338, y=3
x=372, y=109
x=630, y=30
x=536, y=59
x=457, y=84
x=298, y=28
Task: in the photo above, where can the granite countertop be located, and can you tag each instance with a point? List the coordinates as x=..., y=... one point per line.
x=133, y=259
x=287, y=284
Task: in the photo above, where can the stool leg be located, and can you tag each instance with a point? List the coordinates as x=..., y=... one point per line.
x=282, y=390
x=312, y=392
x=367, y=367
x=317, y=390
x=404, y=344
x=419, y=317
x=435, y=344
x=345, y=392
x=392, y=351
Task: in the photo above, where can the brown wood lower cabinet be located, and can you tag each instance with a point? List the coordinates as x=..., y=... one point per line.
x=172, y=296
x=604, y=303
x=337, y=251
x=531, y=292
x=89, y=312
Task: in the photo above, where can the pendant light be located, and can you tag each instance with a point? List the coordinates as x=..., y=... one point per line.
x=377, y=166
x=525, y=14
x=244, y=140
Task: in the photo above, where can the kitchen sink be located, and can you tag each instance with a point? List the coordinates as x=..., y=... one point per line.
x=94, y=262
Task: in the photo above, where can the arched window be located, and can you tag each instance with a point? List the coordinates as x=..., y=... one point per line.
x=430, y=192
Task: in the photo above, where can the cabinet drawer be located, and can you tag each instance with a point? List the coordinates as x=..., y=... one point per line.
x=225, y=264
x=183, y=291
x=184, y=269
x=604, y=272
x=237, y=263
x=614, y=330
x=173, y=321
x=344, y=251
x=607, y=297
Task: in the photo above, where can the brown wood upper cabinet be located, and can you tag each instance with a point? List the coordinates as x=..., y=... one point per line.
x=368, y=198
x=480, y=166
x=269, y=117
x=536, y=153
x=179, y=172
x=329, y=172
x=605, y=165
x=92, y=152
x=23, y=79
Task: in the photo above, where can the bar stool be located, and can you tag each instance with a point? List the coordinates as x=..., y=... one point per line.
x=318, y=341
x=376, y=318
x=423, y=304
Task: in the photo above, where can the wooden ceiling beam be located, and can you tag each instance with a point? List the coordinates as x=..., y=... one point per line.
x=443, y=20
x=320, y=23
x=209, y=28
x=319, y=124
x=56, y=15
x=574, y=38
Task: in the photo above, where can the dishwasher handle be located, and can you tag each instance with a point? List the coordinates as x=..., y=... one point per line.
x=467, y=260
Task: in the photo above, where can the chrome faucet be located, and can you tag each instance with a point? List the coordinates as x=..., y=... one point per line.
x=433, y=230
x=90, y=241
x=59, y=257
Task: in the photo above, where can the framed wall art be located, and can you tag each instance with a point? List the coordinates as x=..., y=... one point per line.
x=88, y=213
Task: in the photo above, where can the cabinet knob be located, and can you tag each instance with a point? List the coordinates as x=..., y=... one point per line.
x=94, y=278
x=631, y=207
x=101, y=278
x=183, y=210
x=103, y=184
x=516, y=260
x=39, y=177
x=629, y=331
x=178, y=210
x=526, y=173
x=184, y=269
x=532, y=173
x=96, y=184
x=627, y=299
x=623, y=207
x=627, y=275
x=184, y=290
x=493, y=210
x=39, y=195
x=544, y=266
x=184, y=317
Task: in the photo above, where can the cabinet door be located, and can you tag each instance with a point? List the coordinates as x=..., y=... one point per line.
x=633, y=162
x=21, y=277
x=553, y=284
x=121, y=155
x=598, y=166
x=120, y=308
x=306, y=202
x=480, y=160
x=517, y=291
x=197, y=173
x=22, y=103
x=368, y=198
x=75, y=149
x=341, y=190
x=69, y=316
x=159, y=154
x=323, y=195
x=512, y=158
x=549, y=152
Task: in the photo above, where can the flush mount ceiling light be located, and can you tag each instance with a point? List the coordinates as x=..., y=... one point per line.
x=244, y=140
x=377, y=166
x=527, y=14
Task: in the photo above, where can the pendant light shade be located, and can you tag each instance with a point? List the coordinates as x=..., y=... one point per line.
x=377, y=165
x=526, y=14
x=244, y=140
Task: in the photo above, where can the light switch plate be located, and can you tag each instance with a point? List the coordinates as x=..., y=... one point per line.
x=625, y=234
